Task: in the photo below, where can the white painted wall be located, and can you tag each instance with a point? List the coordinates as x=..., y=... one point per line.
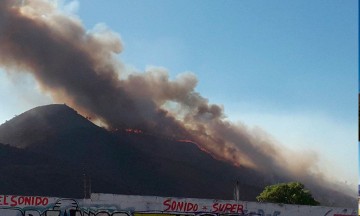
x=125, y=205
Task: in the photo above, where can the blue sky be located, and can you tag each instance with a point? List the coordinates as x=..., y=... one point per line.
x=288, y=67
x=291, y=56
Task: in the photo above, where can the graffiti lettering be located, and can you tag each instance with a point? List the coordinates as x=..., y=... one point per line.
x=13, y=201
x=123, y=205
x=262, y=213
x=228, y=208
x=180, y=206
x=31, y=213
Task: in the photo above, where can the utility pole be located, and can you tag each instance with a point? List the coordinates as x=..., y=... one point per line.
x=236, y=191
x=87, y=186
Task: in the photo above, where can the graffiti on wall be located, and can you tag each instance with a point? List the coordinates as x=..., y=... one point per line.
x=181, y=206
x=120, y=205
x=13, y=201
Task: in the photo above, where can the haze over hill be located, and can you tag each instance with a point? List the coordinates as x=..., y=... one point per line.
x=52, y=147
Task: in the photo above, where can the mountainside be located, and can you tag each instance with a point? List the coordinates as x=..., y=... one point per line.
x=35, y=125
x=48, y=150
x=30, y=173
x=117, y=162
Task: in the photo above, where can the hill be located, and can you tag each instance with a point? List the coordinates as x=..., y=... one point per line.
x=49, y=149
x=117, y=162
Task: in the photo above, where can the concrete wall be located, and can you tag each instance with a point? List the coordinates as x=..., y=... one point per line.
x=122, y=205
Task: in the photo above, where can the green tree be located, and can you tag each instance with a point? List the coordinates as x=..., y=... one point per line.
x=287, y=193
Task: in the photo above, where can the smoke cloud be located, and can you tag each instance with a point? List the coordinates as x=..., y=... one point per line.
x=79, y=68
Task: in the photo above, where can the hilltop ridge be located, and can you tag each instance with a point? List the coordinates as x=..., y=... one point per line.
x=52, y=147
